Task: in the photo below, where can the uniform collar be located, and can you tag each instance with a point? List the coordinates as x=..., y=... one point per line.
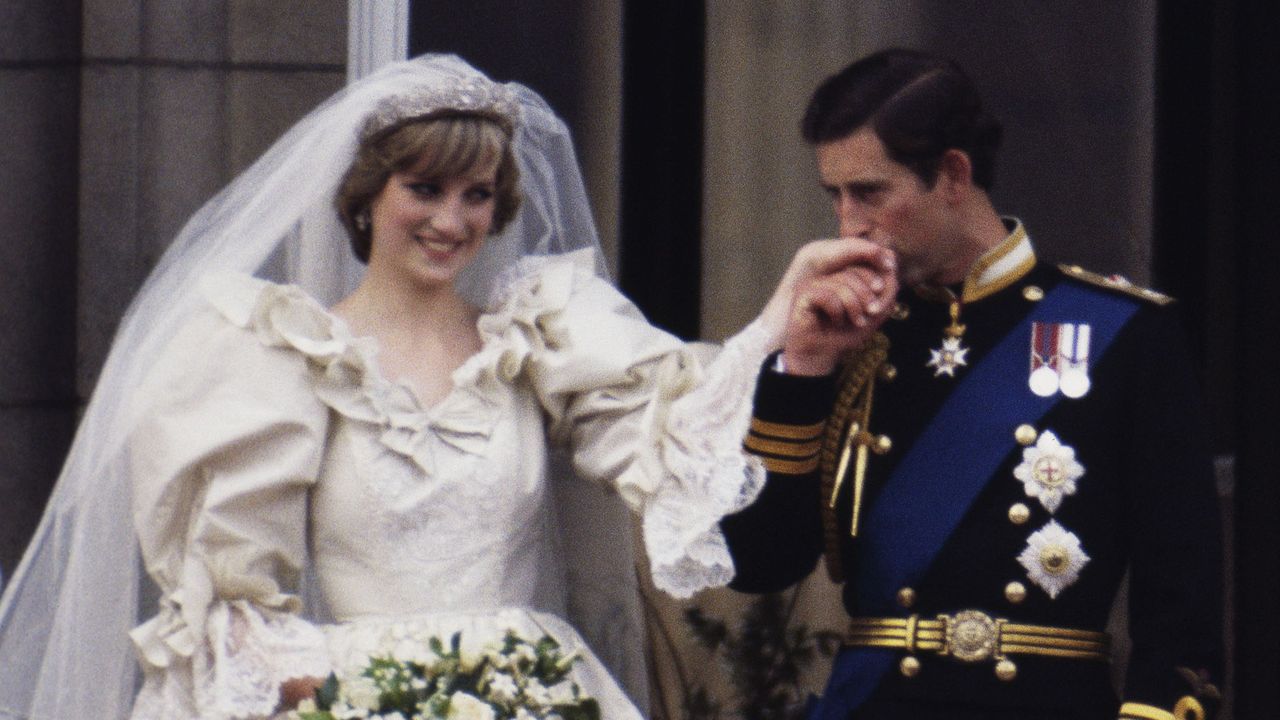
x=1001, y=266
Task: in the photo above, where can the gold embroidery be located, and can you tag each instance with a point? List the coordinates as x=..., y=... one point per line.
x=976, y=286
x=785, y=448
x=1116, y=283
x=789, y=467
x=787, y=432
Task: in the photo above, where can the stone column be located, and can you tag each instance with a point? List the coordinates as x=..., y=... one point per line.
x=178, y=97
x=120, y=118
x=39, y=81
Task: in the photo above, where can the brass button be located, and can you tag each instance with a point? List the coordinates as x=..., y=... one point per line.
x=1019, y=514
x=1025, y=434
x=888, y=372
x=906, y=597
x=900, y=312
x=909, y=666
x=882, y=445
x=1033, y=293
x=1015, y=592
x=1006, y=670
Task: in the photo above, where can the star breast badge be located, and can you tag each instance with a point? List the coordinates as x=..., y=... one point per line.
x=947, y=358
x=1049, y=471
x=1053, y=558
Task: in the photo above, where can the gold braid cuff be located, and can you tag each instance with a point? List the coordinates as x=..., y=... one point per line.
x=856, y=376
x=786, y=449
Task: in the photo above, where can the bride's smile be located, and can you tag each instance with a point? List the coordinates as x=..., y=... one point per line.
x=431, y=228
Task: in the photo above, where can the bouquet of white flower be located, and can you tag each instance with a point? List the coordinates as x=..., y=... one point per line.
x=514, y=680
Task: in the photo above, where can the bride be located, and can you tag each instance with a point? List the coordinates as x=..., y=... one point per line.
x=302, y=467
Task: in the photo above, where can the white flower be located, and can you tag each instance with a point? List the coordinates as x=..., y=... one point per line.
x=342, y=711
x=466, y=707
x=537, y=692
x=361, y=692
x=469, y=660
x=503, y=688
x=562, y=693
x=410, y=650
x=1049, y=471
x=523, y=714
x=1053, y=558
x=522, y=655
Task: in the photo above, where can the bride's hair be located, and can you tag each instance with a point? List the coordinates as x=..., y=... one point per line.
x=450, y=143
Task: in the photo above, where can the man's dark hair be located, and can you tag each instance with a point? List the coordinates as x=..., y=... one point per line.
x=918, y=105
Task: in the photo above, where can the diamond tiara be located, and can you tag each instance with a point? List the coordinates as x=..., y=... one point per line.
x=470, y=95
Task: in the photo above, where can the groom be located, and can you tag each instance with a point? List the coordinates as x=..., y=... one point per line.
x=981, y=459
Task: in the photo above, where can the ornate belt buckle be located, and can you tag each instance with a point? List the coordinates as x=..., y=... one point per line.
x=971, y=636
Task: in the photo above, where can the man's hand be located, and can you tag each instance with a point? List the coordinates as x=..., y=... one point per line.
x=843, y=291
x=818, y=259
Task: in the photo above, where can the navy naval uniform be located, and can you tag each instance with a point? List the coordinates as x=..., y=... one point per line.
x=996, y=523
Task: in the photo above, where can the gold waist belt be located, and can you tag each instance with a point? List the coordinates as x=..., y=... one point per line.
x=972, y=636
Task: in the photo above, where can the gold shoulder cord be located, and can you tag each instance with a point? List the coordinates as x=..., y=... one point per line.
x=847, y=435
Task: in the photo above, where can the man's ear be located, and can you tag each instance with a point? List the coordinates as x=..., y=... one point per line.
x=955, y=174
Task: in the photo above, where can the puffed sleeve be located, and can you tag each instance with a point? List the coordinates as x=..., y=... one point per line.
x=641, y=411
x=228, y=441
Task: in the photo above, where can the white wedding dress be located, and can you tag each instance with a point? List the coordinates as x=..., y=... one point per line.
x=268, y=446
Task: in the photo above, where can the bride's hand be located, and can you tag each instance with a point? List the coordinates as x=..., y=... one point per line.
x=295, y=690
x=833, y=315
x=843, y=280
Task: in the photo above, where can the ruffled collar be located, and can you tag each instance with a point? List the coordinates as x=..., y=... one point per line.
x=519, y=323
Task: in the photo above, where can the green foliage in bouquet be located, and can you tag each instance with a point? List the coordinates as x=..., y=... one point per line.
x=514, y=680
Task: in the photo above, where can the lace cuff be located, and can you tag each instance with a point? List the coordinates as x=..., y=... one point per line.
x=254, y=651
x=708, y=474
x=247, y=653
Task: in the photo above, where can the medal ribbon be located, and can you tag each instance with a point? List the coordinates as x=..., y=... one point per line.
x=1078, y=347
x=1044, y=340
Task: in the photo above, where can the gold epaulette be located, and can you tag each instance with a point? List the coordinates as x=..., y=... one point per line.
x=1117, y=283
x=785, y=449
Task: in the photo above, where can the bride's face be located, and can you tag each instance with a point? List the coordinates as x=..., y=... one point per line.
x=429, y=228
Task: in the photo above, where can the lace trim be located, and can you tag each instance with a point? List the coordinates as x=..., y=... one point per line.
x=709, y=475
x=249, y=652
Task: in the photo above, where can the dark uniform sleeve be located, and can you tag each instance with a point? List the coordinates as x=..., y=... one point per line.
x=777, y=540
x=1175, y=613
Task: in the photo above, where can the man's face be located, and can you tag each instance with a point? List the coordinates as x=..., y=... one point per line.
x=882, y=201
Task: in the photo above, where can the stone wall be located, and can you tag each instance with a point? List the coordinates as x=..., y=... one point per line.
x=120, y=118
x=39, y=102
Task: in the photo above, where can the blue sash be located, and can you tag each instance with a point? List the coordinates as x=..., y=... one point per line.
x=897, y=544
